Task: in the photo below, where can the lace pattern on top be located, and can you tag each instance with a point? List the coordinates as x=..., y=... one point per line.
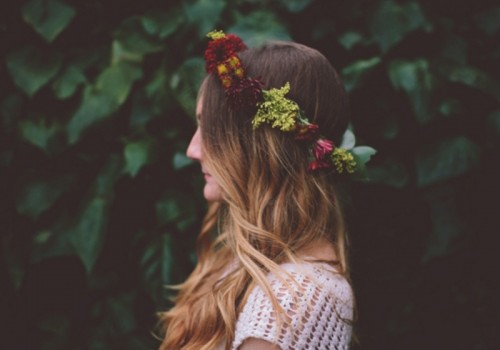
x=319, y=311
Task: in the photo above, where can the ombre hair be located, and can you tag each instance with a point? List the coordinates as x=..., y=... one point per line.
x=273, y=206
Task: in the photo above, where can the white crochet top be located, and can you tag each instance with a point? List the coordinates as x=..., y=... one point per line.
x=319, y=310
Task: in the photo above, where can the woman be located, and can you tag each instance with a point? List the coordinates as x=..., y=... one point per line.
x=272, y=270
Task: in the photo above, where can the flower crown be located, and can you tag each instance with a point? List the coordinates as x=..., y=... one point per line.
x=275, y=109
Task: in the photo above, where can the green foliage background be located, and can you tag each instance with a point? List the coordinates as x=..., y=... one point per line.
x=100, y=207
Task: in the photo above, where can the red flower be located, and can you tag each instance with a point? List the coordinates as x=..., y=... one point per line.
x=244, y=93
x=322, y=147
x=318, y=164
x=306, y=132
x=219, y=50
x=320, y=150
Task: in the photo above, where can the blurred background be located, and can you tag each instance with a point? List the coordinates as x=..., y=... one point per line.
x=99, y=206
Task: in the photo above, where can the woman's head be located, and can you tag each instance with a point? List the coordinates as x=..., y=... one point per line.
x=233, y=148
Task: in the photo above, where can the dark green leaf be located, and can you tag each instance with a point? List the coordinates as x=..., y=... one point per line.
x=65, y=85
x=136, y=155
x=390, y=173
x=203, y=14
x=455, y=49
x=162, y=24
x=111, y=171
x=447, y=223
x=48, y=17
x=94, y=107
x=11, y=111
x=38, y=134
x=186, y=81
x=88, y=234
x=116, y=81
x=175, y=208
x=391, y=22
x=39, y=195
x=353, y=74
x=489, y=21
x=180, y=160
x=295, y=5
x=158, y=92
x=450, y=107
x=450, y=158
x=350, y=39
x=30, y=69
x=416, y=80
x=259, y=27
x=476, y=78
x=135, y=40
x=121, y=54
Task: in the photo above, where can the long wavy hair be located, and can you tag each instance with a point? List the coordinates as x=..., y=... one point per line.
x=273, y=207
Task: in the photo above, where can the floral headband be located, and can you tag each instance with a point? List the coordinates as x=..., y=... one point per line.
x=275, y=109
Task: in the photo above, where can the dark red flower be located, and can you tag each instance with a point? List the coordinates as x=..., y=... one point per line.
x=318, y=164
x=244, y=93
x=306, y=132
x=219, y=50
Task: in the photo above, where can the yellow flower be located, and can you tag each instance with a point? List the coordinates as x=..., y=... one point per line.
x=222, y=69
x=216, y=34
x=277, y=110
x=343, y=160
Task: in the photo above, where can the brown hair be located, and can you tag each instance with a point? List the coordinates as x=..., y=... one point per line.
x=273, y=206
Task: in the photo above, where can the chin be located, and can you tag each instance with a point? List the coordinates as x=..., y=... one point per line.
x=212, y=193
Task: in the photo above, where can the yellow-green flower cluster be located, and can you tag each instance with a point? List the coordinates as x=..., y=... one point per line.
x=216, y=34
x=277, y=110
x=343, y=161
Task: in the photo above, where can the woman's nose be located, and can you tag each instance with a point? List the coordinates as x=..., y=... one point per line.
x=194, y=149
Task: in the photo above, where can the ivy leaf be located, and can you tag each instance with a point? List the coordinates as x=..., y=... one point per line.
x=136, y=155
x=175, y=208
x=48, y=17
x=475, y=78
x=180, y=160
x=203, y=14
x=65, y=85
x=135, y=40
x=39, y=195
x=163, y=24
x=31, y=69
x=100, y=101
x=116, y=80
x=350, y=39
x=94, y=107
x=392, y=22
x=390, y=173
x=38, y=134
x=186, y=81
x=295, y=6
x=157, y=263
x=88, y=234
x=259, y=27
x=450, y=158
x=489, y=21
x=447, y=223
x=353, y=74
x=416, y=80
